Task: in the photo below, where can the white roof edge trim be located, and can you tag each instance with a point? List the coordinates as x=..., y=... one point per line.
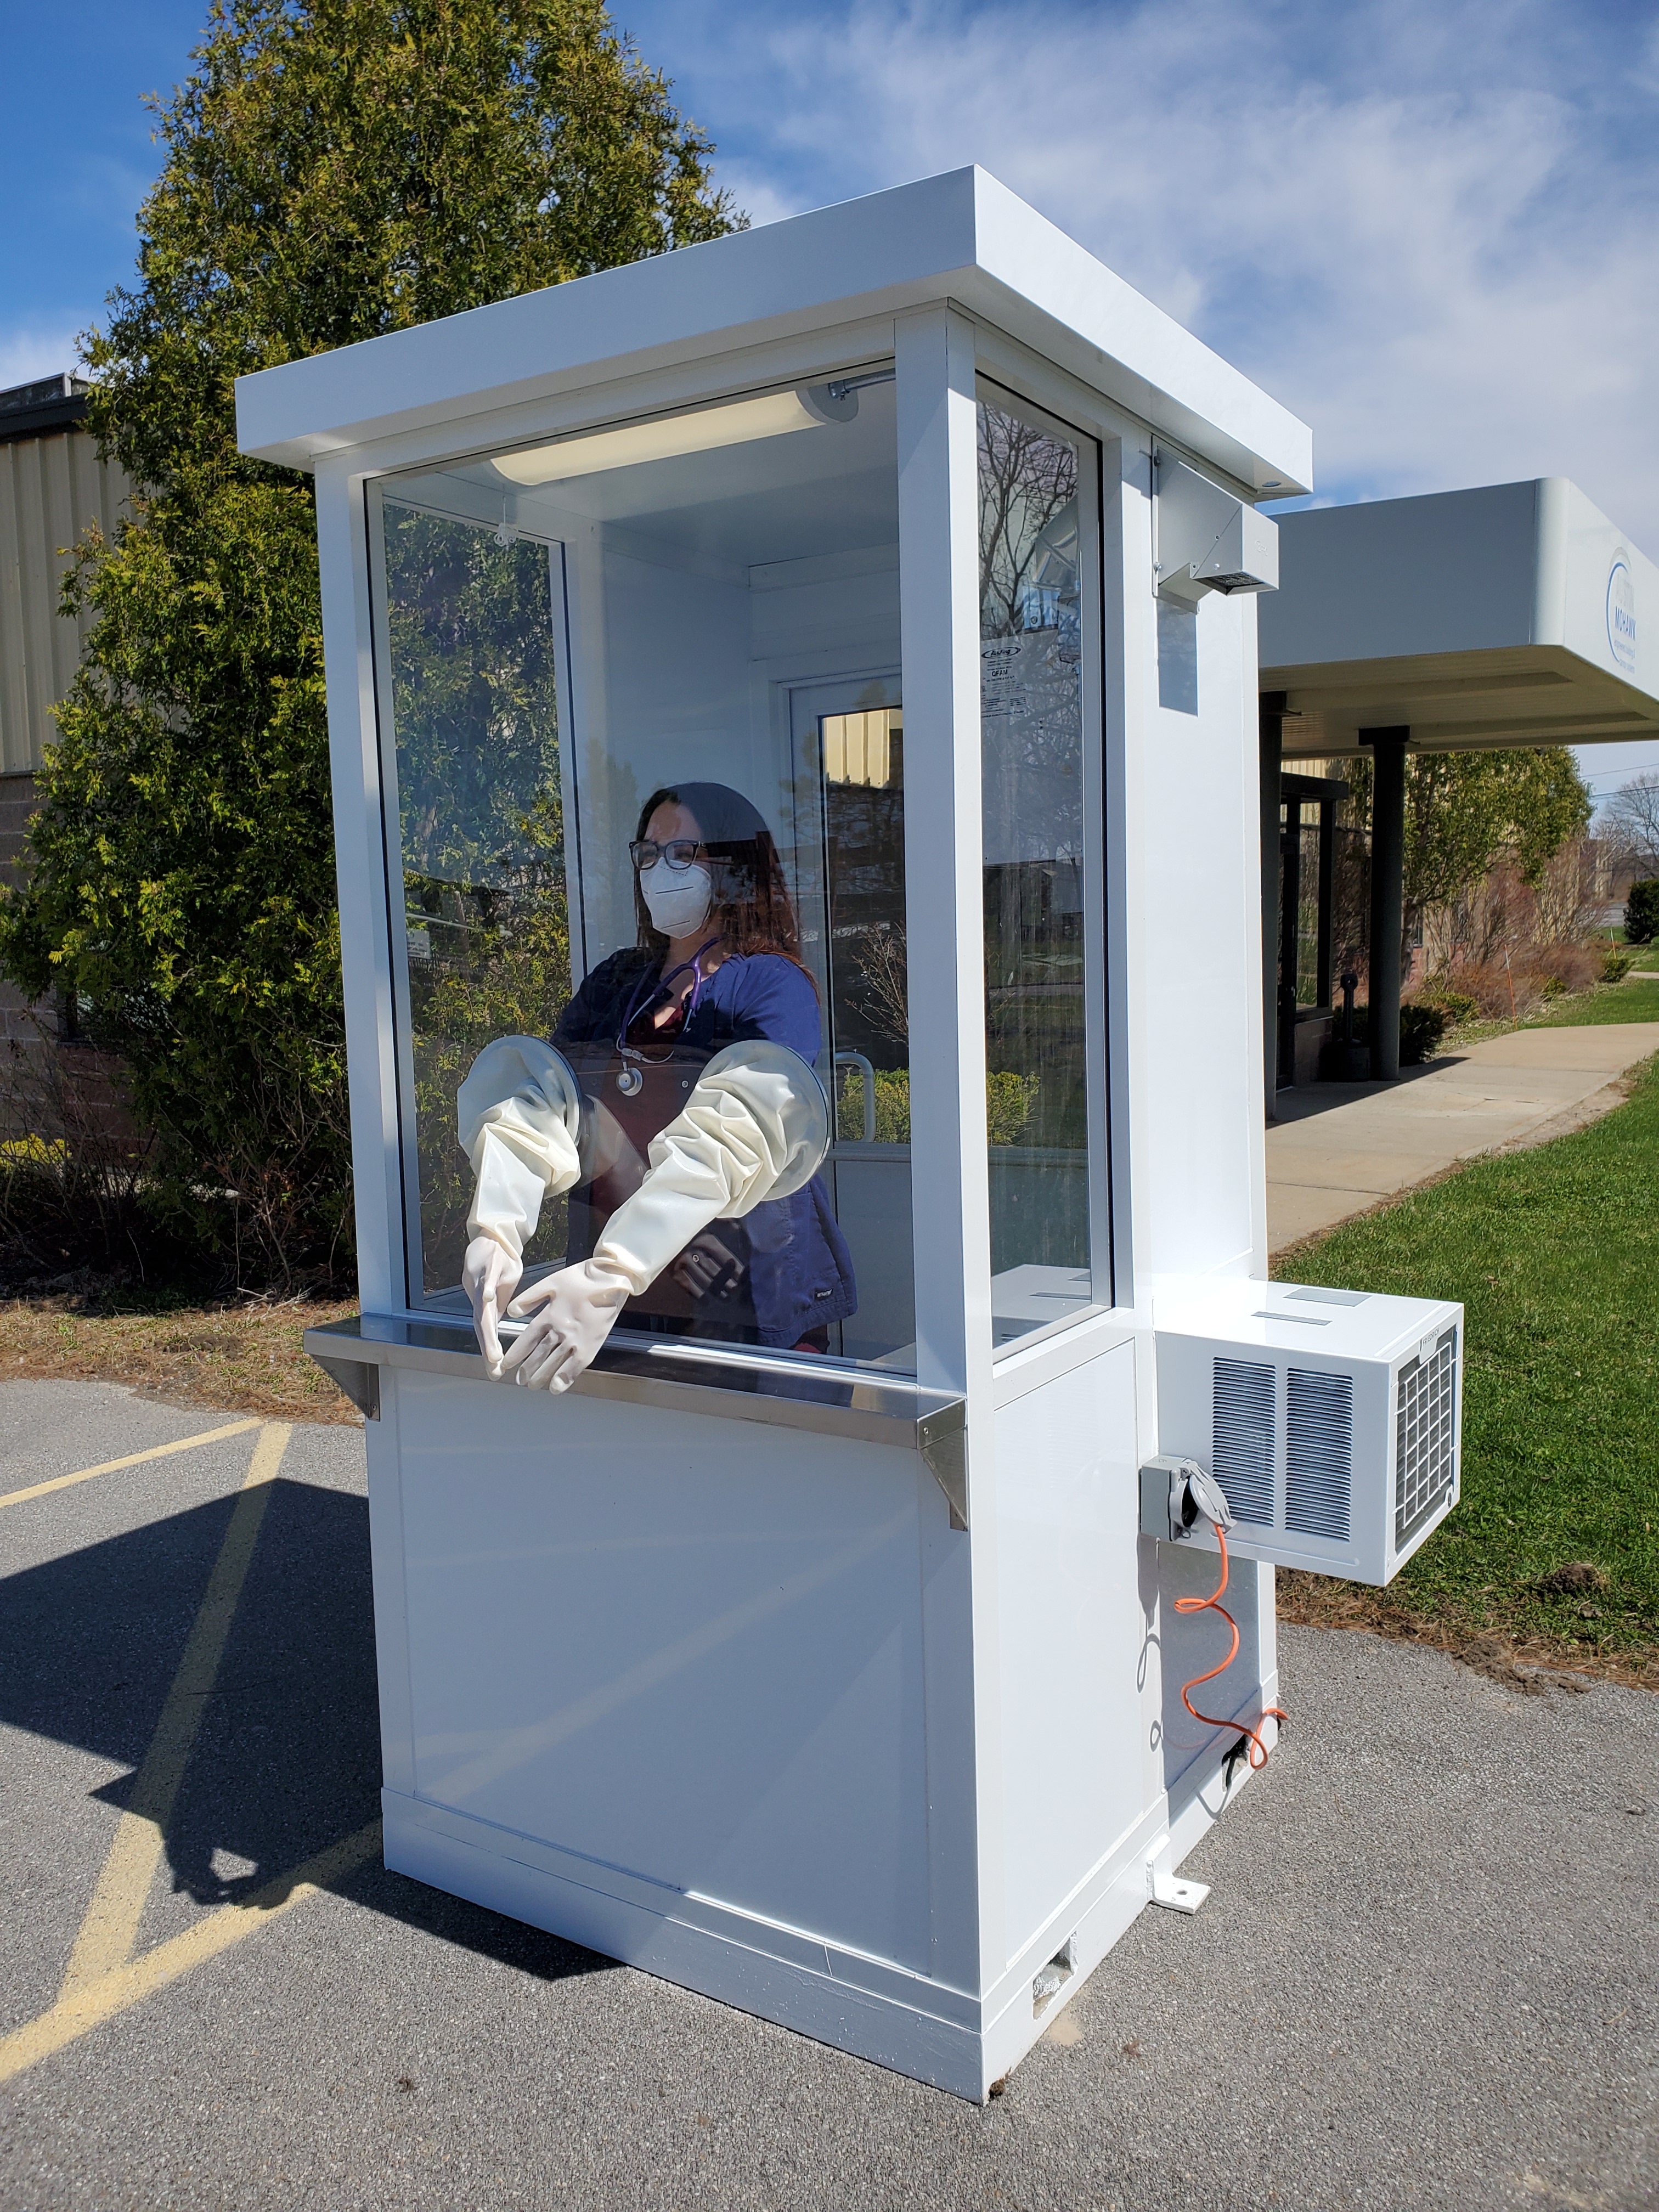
x=1187, y=388
x=961, y=236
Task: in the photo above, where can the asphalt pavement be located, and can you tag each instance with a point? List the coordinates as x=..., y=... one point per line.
x=1424, y=1975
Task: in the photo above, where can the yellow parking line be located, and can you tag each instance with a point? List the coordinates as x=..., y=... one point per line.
x=104, y=1977
x=132, y=1459
x=79, y=2011
x=111, y=1927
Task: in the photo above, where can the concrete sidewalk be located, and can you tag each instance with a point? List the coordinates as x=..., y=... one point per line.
x=1339, y=1149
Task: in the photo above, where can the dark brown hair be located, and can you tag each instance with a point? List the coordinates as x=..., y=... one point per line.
x=752, y=909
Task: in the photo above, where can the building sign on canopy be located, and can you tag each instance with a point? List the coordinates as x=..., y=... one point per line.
x=1621, y=613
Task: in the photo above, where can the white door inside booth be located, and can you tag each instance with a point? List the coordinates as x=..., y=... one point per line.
x=847, y=739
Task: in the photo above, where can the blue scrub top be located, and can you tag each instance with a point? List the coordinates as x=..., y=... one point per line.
x=800, y=1272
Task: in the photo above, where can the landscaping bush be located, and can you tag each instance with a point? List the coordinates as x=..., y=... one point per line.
x=76, y=1178
x=1459, y=1005
x=1009, y=1100
x=1616, y=964
x=1642, y=912
x=1569, y=965
x=1534, y=973
x=1487, y=982
x=1422, y=1025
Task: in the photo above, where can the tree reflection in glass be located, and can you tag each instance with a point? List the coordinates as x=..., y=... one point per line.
x=1030, y=666
x=471, y=625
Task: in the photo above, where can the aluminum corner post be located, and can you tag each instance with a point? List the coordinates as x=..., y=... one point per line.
x=361, y=871
x=939, y=632
x=1128, y=688
x=938, y=508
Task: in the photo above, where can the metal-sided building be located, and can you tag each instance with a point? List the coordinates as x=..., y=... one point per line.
x=52, y=487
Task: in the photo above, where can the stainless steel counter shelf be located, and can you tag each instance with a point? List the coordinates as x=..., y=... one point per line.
x=732, y=1383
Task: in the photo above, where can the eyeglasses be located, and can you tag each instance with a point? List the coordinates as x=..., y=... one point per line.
x=679, y=853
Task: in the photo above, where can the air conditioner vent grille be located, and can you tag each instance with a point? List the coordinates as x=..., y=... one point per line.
x=1242, y=1423
x=1318, y=1453
x=1425, y=1434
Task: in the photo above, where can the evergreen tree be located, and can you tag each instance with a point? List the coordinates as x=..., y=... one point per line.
x=334, y=169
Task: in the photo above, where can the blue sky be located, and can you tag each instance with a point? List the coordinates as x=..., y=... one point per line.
x=1431, y=226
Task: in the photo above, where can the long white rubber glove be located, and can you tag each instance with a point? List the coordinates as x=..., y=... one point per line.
x=489, y=1275
x=756, y=1126
x=577, y=1309
x=519, y=1118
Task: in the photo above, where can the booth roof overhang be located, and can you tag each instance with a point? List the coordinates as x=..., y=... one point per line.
x=487, y=376
x=1511, y=615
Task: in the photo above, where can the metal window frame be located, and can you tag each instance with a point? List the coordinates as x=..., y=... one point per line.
x=939, y=356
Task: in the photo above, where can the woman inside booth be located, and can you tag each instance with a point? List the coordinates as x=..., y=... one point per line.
x=677, y=1105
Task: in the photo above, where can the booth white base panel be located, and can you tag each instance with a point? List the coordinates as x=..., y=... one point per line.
x=860, y=2005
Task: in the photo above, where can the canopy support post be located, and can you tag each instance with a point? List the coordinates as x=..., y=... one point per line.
x=1388, y=893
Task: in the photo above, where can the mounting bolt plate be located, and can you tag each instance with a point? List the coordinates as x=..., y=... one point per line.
x=1166, y=1887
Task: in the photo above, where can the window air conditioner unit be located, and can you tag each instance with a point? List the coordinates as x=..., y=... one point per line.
x=1330, y=1420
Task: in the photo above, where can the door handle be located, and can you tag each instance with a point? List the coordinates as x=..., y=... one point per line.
x=867, y=1071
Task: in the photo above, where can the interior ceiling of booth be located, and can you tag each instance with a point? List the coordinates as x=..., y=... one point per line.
x=830, y=489
x=1478, y=701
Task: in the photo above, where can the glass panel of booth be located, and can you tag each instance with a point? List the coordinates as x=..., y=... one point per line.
x=1040, y=691
x=642, y=748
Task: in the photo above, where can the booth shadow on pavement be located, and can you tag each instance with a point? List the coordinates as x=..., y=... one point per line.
x=287, y=1755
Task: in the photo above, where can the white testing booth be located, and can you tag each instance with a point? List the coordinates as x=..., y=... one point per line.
x=791, y=775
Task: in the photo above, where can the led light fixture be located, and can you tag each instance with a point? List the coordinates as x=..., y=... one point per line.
x=733, y=423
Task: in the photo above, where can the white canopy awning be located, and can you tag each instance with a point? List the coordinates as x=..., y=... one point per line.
x=1508, y=616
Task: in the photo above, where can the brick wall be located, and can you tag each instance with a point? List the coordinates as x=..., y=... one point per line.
x=47, y=1085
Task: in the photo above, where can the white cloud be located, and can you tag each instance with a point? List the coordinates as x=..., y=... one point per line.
x=37, y=351
x=755, y=193
x=1429, y=229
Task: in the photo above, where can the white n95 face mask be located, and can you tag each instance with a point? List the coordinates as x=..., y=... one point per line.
x=678, y=899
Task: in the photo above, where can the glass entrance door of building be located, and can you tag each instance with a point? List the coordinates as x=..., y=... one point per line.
x=848, y=745
x=1307, y=909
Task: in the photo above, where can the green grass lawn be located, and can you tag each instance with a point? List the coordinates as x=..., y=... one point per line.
x=1554, y=1253
x=1613, y=1002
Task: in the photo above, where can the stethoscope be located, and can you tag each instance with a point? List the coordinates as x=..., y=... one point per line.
x=630, y=1080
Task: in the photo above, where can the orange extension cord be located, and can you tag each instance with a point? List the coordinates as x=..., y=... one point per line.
x=1257, y=1751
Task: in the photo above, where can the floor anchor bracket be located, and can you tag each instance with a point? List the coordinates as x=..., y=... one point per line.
x=1166, y=1887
